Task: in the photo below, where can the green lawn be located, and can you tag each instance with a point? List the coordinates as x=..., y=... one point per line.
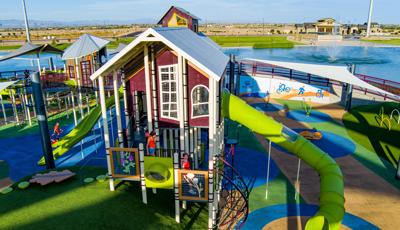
x=257, y=42
x=74, y=205
x=114, y=44
x=386, y=41
x=61, y=46
x=9, y=47
x=362, y=124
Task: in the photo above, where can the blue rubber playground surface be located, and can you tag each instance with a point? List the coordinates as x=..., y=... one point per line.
x=267, y=107
x=22, y=158
x=315, y=116
x=261, y=217
x=252, y=164
x=331, y=143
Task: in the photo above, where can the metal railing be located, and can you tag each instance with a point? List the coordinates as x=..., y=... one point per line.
x=253, y=68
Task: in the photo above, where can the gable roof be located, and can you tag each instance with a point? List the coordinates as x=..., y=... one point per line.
x=199, y=51
x=179, y=9
x=29, y=48
x=85, y=45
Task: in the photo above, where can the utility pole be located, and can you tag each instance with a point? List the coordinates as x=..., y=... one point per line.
x=28, y=36
x=371, y=6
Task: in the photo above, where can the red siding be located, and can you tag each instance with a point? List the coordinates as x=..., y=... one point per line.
x=137, y=82
x=180, y=13
x=166, y=58
x=196, y=78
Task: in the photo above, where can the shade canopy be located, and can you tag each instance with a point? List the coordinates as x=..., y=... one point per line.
x=29, y=48
x=85, y=45
x=5, y=85
x=196, y=49
x=337, y=73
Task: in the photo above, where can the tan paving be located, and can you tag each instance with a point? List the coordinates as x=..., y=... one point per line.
x=367, y=195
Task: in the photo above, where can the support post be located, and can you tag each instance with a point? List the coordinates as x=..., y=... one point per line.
x=136, y=108
x=78, y=79
x=231, y=73
x=3, y=109
x=211, y=137
x=126, y=110
x=73, y=108
x=176, y=188
x=14, y=106
x=171, y=138
x=349, y=91
x=105, y=127
x=142, y=180
x=165, y=142
x=194, y=147
x=148, y=89
x=155, y=97
x=27, y=110
x=117, y=108
x=42, y=119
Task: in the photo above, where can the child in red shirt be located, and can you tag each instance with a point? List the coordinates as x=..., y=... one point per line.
x=151, y=144
x=186, y=161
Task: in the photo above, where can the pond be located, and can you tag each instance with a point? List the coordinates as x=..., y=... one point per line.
x=382, y=62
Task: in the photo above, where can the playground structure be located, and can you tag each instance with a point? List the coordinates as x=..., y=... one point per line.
x=170, y=86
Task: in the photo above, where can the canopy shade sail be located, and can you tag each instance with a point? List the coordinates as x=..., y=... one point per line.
x=5, y=85
x=29, y=48
x=337, y=73
x=85, y=45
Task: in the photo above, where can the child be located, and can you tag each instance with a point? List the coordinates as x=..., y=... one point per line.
x=151, y=144
x=186, y=161
x=57, y=130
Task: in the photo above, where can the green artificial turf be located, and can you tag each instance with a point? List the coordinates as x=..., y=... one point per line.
x=12, y=130
x=257, y=42
x=4, y=169
x=75, y=205
x=280, y=191
x=79, y=132
x=384, y=41
x=363, y=125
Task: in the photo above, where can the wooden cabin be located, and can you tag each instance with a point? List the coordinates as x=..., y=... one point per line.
x=84, y=57
x=179, y=17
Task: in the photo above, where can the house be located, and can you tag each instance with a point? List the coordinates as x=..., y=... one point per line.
x=179, y=17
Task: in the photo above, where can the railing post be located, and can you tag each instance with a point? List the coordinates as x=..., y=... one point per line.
x=142, y=180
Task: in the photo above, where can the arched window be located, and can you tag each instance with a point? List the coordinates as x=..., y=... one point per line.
x=199, y=101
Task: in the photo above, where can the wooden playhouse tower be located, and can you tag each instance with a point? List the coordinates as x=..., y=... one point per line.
x=172, y=79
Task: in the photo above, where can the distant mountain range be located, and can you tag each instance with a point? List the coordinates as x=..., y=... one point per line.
x=15, y=23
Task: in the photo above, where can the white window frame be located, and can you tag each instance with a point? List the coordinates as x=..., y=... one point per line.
x=160, y=81
x=200, y=103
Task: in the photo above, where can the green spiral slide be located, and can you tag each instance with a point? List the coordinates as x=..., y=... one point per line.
x=331, y=211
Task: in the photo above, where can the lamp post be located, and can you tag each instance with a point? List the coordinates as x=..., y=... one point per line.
x=371, y=6
x=28, y=36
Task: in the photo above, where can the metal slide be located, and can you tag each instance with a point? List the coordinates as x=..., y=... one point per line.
x=331, y=211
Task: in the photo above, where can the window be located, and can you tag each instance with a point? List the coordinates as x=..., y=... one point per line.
x=168, y=91
x=86, y=71
x=71, y=71
x=199, y=101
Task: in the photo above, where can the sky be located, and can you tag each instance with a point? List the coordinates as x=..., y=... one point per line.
x=227, y=11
